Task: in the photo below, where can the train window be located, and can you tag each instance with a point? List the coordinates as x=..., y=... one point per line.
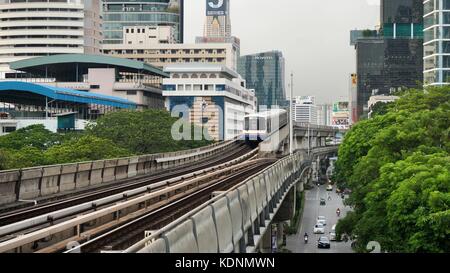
x=269, y=125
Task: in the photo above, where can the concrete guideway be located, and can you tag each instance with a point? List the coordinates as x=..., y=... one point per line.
x=37, y=182
x=174, y=187
x=236, y=220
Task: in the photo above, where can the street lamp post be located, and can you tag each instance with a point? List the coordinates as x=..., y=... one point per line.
x=291, y=113
x=204, y=105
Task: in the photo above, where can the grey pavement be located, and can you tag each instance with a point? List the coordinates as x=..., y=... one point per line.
x=312, y=210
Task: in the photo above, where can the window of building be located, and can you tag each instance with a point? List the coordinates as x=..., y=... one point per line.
x=209, y=87
x=180, y=87
x=203, y=76
x=220, y=87
x=132, y=93
x=198, y=87
x=188, y=87
x=9, y=129
x=94, y=87
x=169, y=87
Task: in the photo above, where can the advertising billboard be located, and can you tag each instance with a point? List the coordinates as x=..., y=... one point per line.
x=216, y=7
x=342, y=106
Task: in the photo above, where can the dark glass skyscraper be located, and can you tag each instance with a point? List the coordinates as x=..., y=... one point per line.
x=265, y=72
x=122, y=13
x=393, y=59
x=384, y=65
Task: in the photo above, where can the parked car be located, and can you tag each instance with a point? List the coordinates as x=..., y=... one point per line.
x=319, y=229
x=333, y=233
x=329, y=188
x=322, y=202
x=323, y=242
x=322, y=220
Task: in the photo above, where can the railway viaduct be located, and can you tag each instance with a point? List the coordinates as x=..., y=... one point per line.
x=238, y=218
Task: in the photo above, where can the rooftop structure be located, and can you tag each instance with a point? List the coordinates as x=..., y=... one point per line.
x=23, y=104
x=132, y=80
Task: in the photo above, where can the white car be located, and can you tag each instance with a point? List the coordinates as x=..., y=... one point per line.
x=322, y=220
x=319, y=229
x=333, y=233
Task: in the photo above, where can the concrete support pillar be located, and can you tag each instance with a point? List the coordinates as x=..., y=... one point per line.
x=280, y=233
x=266, y=242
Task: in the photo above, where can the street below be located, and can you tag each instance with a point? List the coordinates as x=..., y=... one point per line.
x=312, y=210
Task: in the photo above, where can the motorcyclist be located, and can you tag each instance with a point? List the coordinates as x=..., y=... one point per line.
x=306, y=237
x=338, y=212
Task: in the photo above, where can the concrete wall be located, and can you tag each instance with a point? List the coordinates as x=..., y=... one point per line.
x=32, y=183
x=243, y=216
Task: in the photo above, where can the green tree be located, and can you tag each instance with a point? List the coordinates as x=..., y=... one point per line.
x=411, y=129
x=142, y=132
x=86, y=148
x=32, y=136
x=26, y=157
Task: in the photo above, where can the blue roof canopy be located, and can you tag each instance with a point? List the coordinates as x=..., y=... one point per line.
x=15, y=92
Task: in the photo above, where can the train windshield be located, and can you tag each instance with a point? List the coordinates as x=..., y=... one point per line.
x=255, y=124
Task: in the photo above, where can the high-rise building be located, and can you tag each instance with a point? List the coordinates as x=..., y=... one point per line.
x=402, y=18
x=393, y=58
x=212, y=95
x=119, y=14
x=324, y=114
x=218, y=23
x=436, y=42
x=31, y=28
x=305, y=110
x=265, y=72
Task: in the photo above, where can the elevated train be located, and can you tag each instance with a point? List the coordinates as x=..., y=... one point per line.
x=262, y=125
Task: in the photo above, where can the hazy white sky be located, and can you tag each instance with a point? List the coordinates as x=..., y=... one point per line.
x=312, y=34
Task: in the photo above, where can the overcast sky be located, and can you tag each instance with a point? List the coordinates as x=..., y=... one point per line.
x=313, y=36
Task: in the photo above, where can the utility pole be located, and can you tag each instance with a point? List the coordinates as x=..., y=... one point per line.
x=309, y=138
x=291, y=114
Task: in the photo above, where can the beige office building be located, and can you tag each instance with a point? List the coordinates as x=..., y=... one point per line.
x=160, y=55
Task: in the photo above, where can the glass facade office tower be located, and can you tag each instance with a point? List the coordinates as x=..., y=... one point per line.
x=385, y=65
x=436, y=42
x=402, y=18
x=394, y=59
x=121, y=13
x=265, y=72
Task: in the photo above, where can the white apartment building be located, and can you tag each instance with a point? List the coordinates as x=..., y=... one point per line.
x=215, y=96
x=305, y=110
x=31, y=28
x=160, y=55
x=149, y=35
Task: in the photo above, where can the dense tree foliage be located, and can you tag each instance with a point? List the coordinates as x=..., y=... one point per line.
x=398, y=167
x=143, y=132
x=84, y=149
x=117, y=134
